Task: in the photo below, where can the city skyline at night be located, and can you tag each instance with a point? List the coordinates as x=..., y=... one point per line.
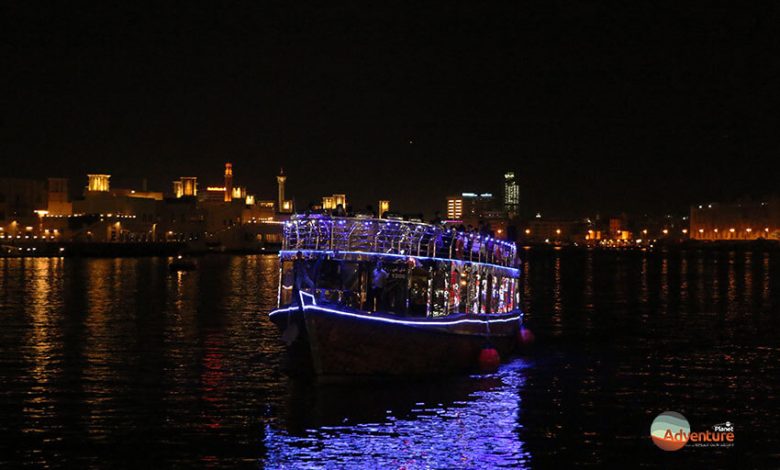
x=605, y=109
x=389, y=235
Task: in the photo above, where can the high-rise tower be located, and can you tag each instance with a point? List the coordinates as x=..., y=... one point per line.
x=511, y=195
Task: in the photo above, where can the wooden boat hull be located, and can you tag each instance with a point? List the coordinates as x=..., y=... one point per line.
x=345, y=344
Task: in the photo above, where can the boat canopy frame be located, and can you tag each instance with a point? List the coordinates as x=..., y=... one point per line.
x=320, y=232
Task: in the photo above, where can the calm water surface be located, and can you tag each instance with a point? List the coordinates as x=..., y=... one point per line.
x=117, y=362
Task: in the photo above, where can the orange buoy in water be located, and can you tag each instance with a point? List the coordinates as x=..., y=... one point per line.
x=489, y=359
x=525, y=337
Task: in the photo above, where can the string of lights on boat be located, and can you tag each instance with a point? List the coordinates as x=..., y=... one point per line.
x=394, y=237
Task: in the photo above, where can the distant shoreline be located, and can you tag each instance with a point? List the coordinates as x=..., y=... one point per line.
x=687, y=245
x=166, y=249
x=112, y=250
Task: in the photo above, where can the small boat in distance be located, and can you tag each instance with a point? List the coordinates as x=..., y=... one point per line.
x=382, y=297
x=183, y=263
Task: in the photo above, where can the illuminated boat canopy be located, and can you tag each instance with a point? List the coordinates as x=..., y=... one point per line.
x=394, y=238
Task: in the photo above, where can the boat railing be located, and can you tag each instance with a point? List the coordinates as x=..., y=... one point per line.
x=353, y=234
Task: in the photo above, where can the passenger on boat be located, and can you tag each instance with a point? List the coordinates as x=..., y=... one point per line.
x=339, y=211
x=376, y=293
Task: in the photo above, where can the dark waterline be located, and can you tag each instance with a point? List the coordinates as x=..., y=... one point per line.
x=108, y=362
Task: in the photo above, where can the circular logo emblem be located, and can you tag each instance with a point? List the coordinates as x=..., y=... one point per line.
x=670, y=430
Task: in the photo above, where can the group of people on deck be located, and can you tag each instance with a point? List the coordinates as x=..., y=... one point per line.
x=378, y=281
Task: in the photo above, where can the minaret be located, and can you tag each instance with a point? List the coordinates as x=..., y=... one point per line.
x=280, y=180
x=228, y=182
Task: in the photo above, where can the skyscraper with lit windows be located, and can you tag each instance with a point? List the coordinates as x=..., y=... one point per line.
x=511, y=195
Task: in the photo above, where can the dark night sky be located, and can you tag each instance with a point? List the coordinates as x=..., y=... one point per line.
x=597, y=108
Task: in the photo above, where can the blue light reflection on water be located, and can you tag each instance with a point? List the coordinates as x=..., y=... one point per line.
x=478, y=427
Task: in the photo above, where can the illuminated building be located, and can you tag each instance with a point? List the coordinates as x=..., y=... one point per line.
x=229, y=182
x=454, y=208
x=217, y=194
x=189, y=186
x=511, y=195
x=470, y=208
x=745, y=220
x=212, y=194
x=384, y=206
x=98, y=183
x=178, y=189
x=238, y=192
x=591, y=235
x=115, y=214
x=333, y=201
x=107, y=214
x=478, y=210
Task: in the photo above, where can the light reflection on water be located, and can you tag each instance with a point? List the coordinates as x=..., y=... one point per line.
x=110, y=361
x=466, y=423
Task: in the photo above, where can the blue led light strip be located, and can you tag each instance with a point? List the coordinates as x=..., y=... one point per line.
x=393, y=320
x=514, y=271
